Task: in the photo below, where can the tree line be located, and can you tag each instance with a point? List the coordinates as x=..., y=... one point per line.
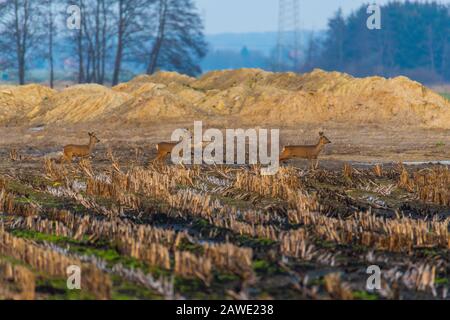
x=414, y=40
x=147, y=35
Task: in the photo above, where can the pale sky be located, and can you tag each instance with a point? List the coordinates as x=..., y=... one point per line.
x=237, y=16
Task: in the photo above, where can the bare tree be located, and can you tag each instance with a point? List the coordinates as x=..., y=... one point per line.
x=160, y=36
x=19, y=28
x=50, y=27
x=179, y=41
x=132, y=19
x=79, y=36
x=92, y=40
x=95, y=25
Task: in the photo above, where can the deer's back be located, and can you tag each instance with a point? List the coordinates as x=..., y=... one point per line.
x=76, y=149
x=165, y=146
x=301, y=151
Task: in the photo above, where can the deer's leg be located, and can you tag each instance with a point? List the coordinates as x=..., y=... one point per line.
x=158, y=157
x=166, y=155
x=67, y=157
x=283, y=158
x=161, y=157
x=317, y=163
x=311, y=162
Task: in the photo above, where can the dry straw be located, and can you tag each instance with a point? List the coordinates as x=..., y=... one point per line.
x=189, y=265
x=336, y=288
x=16, y=282
x=231, y=258
x=54, y=264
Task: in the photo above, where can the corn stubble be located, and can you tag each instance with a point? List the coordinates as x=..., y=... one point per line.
x=133, y=210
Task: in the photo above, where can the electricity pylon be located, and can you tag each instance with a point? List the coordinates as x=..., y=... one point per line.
x=288, y=42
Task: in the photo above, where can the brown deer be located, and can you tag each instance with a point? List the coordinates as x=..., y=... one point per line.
x=305, y=152
x=165, y=148
x=81, y=151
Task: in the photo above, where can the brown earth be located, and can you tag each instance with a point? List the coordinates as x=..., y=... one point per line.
x=358, y=143
x=16, y=102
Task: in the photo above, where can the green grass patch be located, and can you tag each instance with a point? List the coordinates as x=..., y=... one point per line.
x=36, y=236
x=363, y=295
x=194, y=287
x=259, y=243
x=122, y=290
x=32, y=195
x=441, y=281
x=56, y=289
x=191, y=247
x=265, y=267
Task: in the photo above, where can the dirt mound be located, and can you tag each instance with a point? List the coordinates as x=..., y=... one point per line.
x=377, y=99
x=16, y=102
x=153, y=102
x=227, y=79
x=171, y=77
x=318, y=96
x=80, y=103
x=222, y=80
x=251, y=95
x=164, y=95
x=140, y=83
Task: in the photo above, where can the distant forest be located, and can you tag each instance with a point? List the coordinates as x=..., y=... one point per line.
x=414, y=40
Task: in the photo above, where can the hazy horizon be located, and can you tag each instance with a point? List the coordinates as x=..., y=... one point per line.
x=236, y=16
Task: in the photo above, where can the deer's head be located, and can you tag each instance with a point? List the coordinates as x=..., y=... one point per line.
x=187, y=133
x=323, y=140
x=93, y=138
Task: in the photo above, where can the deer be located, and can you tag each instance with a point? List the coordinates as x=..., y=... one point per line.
x=165, y=148
x=81, y=151
x=310, y=152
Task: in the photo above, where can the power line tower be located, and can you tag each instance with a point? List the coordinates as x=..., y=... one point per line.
x=288, y=42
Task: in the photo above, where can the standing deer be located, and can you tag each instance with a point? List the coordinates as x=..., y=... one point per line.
x=165, y=148
x=81, y=151
x=306, y=152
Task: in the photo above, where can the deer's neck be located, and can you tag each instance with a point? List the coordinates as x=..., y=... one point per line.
x=319, y=147
x=186, y=139
x=91, y=145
